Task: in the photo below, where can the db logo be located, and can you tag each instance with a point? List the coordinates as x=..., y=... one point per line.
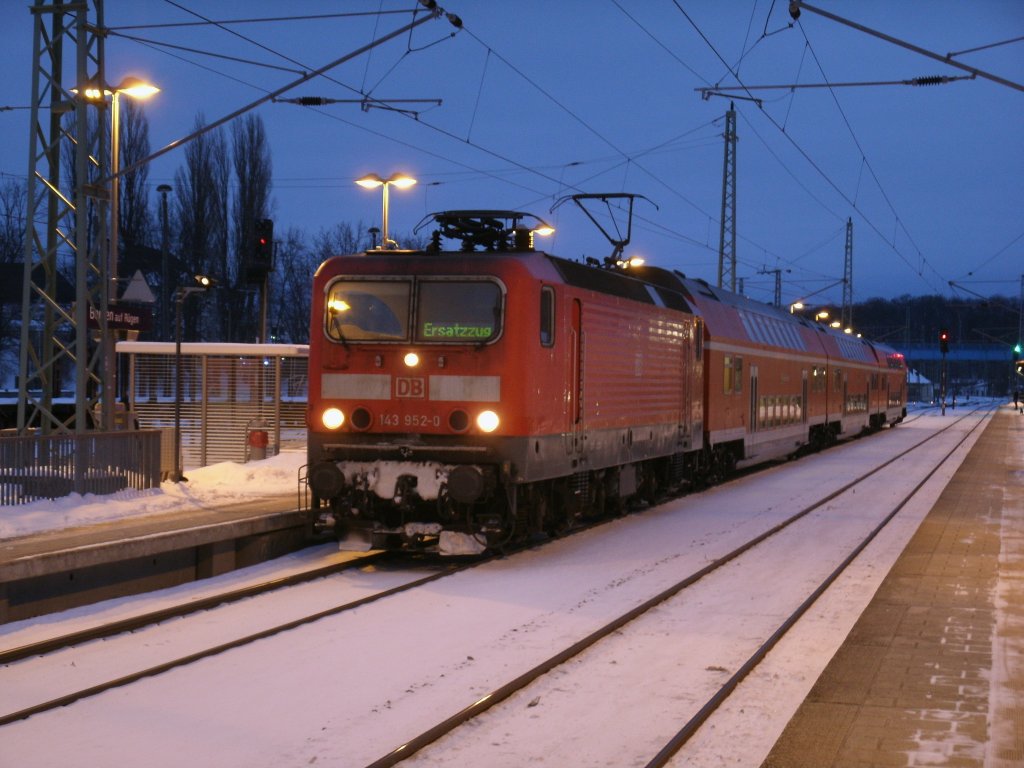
x=407, y=386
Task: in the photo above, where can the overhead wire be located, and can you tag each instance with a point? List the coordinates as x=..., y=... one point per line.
x=814, y=164
x=628, y=159
x=864, y=156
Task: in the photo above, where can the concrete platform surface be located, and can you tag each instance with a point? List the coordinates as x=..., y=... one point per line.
x=933, y=672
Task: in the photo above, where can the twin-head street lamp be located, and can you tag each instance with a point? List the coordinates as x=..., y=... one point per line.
x=372, y=181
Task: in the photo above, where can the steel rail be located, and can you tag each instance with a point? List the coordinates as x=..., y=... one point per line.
x=70, y=698
x=410, y=747
x=691, y=727
x=131, y=623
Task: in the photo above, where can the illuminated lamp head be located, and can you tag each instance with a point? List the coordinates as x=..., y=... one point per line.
x=332, y=418
x=337, y=306
x=487, y=421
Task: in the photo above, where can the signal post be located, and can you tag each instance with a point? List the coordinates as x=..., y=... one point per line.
x=944, y=348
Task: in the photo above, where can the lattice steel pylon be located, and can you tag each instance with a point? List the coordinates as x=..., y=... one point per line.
x=69, y=217
x=847, y=311
x=727, y=233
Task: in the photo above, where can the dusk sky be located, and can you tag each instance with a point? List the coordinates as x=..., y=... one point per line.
x=543, y=99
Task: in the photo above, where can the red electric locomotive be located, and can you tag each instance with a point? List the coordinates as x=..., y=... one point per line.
x=458, y=399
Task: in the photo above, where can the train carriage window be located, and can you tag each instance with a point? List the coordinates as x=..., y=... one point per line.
x=367, y=310
x=733, y=379
x=547, y=316
x=458, y=311
x=698, y=338
x=818, y=379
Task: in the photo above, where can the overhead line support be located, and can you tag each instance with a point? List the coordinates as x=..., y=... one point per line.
x=796, y=6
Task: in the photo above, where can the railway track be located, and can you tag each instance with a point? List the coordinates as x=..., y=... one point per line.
x=136, y=622
x=689, y=729
x=412, y=745
x=111, y=629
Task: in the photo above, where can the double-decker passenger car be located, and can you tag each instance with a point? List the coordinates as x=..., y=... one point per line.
x=777, y=383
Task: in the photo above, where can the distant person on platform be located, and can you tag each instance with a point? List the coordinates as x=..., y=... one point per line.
x=1017, y=405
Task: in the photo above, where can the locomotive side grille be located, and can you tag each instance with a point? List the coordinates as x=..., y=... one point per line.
x=579, y=484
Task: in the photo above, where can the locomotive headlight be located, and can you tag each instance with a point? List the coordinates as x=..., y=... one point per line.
x=487, y=421
x=412, y=359
x=332, y=418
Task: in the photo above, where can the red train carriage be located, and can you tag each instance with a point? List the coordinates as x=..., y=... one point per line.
x=458, y=399
x=764, y=396
x=776, y=383
x=890, y=406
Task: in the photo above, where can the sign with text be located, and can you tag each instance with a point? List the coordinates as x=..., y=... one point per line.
x=124, y=317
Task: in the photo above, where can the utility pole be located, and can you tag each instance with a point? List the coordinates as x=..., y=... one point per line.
x=165, y=274
x=727, y=233
x=847, y=312
x=778, y=283
x=45, y=350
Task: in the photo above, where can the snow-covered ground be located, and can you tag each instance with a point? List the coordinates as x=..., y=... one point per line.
x=344, y=690
x=223, y=483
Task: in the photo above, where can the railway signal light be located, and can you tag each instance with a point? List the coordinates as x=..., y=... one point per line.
x=260, y=259
x=263, y=255
x=944, y=341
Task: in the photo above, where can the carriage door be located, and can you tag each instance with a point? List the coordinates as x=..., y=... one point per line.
x=753, y=399
x=574, y=443
x=804, y=401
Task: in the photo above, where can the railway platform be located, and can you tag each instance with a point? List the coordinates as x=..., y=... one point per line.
x=62, y=568
x=933, y=671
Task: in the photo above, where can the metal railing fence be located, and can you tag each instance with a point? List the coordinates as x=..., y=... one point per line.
x=36, y=467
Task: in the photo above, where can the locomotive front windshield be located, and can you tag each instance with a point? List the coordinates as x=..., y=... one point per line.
x=458, y=311
x=446, y=311
x=368, y=310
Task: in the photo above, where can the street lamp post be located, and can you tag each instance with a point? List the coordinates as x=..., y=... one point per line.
x=165, y=247
x=180, y=295
x=137, y=89
x=372, y=181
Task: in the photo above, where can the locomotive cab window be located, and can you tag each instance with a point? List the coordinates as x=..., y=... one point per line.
x=547, y=316
x=458, y=311
x=367, y=310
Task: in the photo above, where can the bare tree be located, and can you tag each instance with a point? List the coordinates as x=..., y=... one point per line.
x=254, y=177
x=12, y=251
x=12, y=221
x=201, y=192
x=292, y=293
x=342, y=239
x=136, y=224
